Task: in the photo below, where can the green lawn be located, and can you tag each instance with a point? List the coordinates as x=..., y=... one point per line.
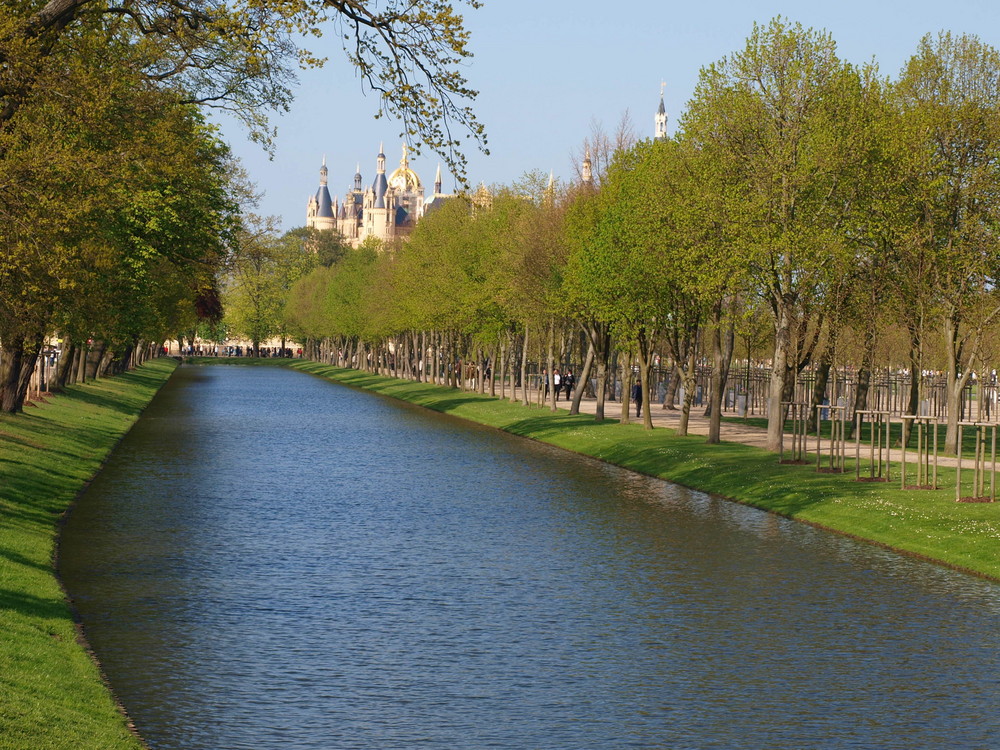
x=921, y=522
x=51, y=692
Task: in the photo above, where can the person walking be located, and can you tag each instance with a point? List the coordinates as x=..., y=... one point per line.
x=568, y=382
x=556, y=382
x=637, y=397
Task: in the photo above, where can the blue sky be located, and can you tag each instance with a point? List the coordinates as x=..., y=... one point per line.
x=547, y=69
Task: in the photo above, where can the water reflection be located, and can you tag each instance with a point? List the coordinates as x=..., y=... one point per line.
x=272, y=561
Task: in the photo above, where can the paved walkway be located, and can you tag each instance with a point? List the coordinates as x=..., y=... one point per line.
x=735, y=432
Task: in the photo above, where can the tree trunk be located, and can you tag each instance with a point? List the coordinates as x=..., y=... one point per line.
x=601, y=392
x=60, y=378
x=956, y=381
x=16, y=368
x=492, y=367
x=672, y=386
x=94, y=358
x=913, y=400
x=775, y=412
x=525, y=397
x=626, y=389
x=819, y=389
x=689, y=389
x=581, y=383
x=645, y=343
x=722, y=358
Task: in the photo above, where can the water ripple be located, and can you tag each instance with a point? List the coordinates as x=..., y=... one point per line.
x=270, y=561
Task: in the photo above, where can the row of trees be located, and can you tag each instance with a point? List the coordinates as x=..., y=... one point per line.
x=849, y=209
x=120, y=208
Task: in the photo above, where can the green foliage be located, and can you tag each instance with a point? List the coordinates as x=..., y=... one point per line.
x=241, y=55
x=115, y=209
x=262, y=272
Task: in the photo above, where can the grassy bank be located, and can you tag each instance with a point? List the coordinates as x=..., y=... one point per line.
x=925, y=523
x=51, y=692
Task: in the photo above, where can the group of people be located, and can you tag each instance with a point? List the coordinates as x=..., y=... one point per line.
x=559, y=382
x=238, y=351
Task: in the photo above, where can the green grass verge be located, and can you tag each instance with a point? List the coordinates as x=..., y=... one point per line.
x=51, y=691
x=895, y=434
x=926, y=523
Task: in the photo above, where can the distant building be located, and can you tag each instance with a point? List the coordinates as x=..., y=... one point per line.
x=388, y=209
x=661, y=118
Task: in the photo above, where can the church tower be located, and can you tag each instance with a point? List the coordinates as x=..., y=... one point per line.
x=661, y=118
x=586, y=170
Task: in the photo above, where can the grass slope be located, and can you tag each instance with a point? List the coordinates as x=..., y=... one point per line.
x=925, y=523
x=51, y=692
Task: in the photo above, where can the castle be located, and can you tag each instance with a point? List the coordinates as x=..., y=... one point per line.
x=388, y=209
x=391, y=206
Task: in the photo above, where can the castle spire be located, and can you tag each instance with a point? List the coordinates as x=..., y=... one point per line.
x=323, y=172
x=661, y=117
x=586, y=173
x=437, y=181
x=381, y=185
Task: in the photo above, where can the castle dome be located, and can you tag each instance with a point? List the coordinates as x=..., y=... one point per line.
x=404, y=179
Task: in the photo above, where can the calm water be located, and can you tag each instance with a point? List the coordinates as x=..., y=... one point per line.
x=271, y=561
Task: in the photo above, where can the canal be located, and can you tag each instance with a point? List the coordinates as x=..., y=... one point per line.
x=272, y=561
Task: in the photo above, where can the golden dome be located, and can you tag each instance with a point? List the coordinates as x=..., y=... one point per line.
x=404, y=179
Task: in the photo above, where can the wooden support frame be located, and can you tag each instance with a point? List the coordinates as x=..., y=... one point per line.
x=878, y=449
x=799, y=415
x=927, y=452
x=838, y=438
x=985, y=432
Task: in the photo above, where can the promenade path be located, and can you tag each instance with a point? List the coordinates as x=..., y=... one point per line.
x=736, y=432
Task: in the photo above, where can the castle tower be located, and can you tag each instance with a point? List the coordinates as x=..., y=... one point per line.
x=319, y=212
x=661, y=118
x=379, y=204
x=586, y=171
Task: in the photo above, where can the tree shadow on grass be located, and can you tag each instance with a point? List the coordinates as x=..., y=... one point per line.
x=17, y=558
x=542, y=426
x=447, y=404
x=102, y=401
x=34, y=607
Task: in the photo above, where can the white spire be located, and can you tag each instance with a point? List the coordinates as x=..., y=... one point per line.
x=661, y=117
x=585, y=171
x=437, y=179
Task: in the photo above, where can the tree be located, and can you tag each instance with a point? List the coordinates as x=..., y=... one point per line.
x=240, y=55
x=76, y=71
x=262, y=272
x=950, y=93
x=775, y=114
x=110, y=194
